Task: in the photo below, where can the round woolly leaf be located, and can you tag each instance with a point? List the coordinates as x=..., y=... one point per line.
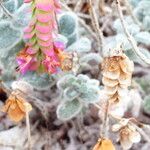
x=9, y=36
x=143, y=37
x=144, y=82
x=38, y=81
x=72, y=39
x=69, y=109
x=70, y=93
x=91, y=95
x=20, y=2
x=67, y=24
x=83, y=45
x=22, y=16
x=11, y=5
x=65, y=81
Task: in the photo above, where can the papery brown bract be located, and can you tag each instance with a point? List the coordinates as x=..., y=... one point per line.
x=16, y=107
x=127, y=133
x=117, y=74
x=104, y=144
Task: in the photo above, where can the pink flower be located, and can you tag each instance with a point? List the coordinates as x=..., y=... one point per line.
x=26, y=62
x=41, y=50
x=51, y=64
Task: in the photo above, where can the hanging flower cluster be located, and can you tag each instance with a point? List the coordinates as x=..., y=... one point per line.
x=42, y=52
x=117, y=73
x=16, y=107
x=104, y=144
x=127, y=133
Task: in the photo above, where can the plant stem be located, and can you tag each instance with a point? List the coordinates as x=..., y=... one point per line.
x=101, y=7
x=28, y=131
x=78, y=6
x=105, y=125
x=129, y=37
x=96, y=28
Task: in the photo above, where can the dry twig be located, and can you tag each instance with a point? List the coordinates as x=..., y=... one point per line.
x=96, y=27
x=129, y=37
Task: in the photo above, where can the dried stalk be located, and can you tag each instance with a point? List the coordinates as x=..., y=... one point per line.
x=28, y=130
x=6, y=11
x=105, y=125
x=101, y=7
x=129, y=37
x=78, y=6
x=96, y=27
x=82, y=22
x=139, y=129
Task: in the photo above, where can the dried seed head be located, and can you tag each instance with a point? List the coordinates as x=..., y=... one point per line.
x=127, y=133
x=16, y=107
x=128, y=136
x=117, y=73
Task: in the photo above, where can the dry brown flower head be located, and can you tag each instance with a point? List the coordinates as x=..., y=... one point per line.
x=16, y=107
x=104, y=144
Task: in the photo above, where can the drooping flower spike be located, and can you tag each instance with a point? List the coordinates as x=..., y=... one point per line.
x=42, y=53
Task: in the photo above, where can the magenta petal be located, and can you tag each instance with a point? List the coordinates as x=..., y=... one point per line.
x=57, y=6
x=44, y=37
x=43, y=29
x=45, y=44
x=59, y=45
x=27, y=1
x=31, y=50
x=28, y=35
x=28, y=29
x=44, y=18
x=48, y=51
x=44, y=7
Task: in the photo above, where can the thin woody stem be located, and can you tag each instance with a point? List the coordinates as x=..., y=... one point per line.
x=28, y=131
x=129, y=37
x=6, y=11
x=96, y=27
x=139, y=129
x=101, y=7
x=78, y=6
x=105, y=124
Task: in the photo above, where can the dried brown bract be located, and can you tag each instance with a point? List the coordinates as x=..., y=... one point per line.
x=104, y=144
x=127, y=133
x=16, y=107
x=117, y=74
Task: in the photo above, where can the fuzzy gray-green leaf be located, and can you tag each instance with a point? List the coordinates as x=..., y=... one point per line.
x=68, y=109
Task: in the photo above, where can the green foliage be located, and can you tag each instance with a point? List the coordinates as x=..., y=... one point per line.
x=144, y=82
x=69, y=109
x=9, y=35
x=146, y=104
x=76, y=90
x=68, y=26
x=38, y=81
x=142, y=12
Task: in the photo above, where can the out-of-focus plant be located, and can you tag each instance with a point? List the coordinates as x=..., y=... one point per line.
x=76, y=92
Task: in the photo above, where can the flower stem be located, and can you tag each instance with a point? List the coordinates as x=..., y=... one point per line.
x=28, y=131
x=105, y=125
